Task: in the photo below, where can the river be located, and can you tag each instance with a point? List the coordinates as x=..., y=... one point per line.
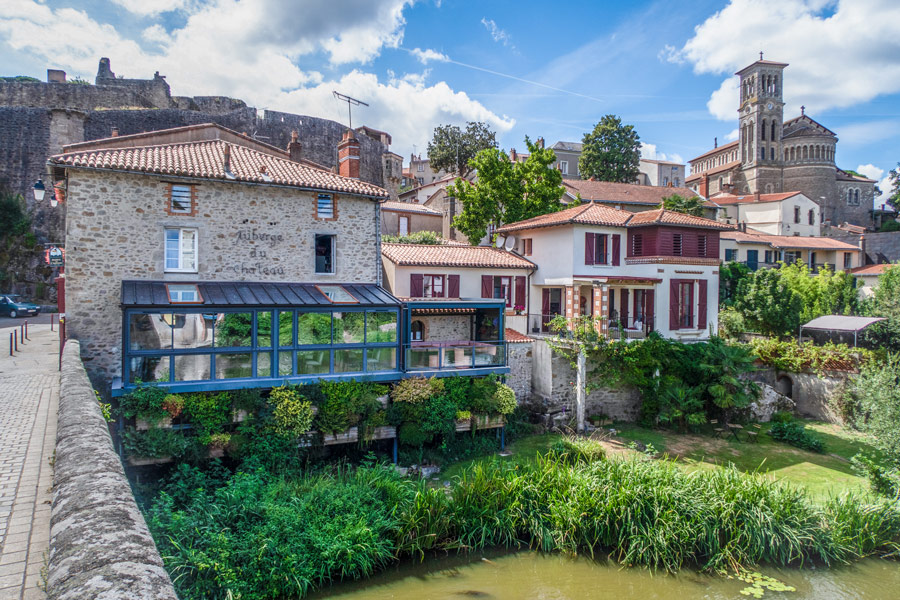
x=534, y=576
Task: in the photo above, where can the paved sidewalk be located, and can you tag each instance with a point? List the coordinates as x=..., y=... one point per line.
x=29, y=397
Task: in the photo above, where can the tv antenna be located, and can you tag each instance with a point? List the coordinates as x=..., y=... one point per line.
x=350, y=103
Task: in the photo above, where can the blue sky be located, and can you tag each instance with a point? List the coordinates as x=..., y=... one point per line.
x=528, y=68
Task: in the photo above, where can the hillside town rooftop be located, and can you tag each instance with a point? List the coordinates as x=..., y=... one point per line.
x=453, y=256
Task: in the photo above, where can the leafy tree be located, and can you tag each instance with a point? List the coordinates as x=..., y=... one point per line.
x=611, y=152
x=877, y=391
x=730, y=276
x=826, y=293
x=13, y=220
x=452, y=149
x=885, y=303
x=417, y=237
x=894, y=192
x=506, y=192
x=688, y=206
x=768, y=303
x=722, y=365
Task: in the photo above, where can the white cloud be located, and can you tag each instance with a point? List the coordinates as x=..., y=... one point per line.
x=841, y=52
x=497, y=34
x=732, y=135
x=146, y=8
x=649, y=152
x=236, y=48
x=424, y=56
x=884, y=183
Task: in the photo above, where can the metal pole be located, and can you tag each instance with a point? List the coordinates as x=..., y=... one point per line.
x=51, y=321
x=26, y=330
x=16, y=339
x=10, y=344
x=395, y=451
x=22, y=332
x=503, y=438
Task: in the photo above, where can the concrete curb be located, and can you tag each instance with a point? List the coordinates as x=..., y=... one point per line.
x=100, y=546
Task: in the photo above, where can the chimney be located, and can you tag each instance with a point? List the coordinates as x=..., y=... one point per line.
x=56, y=76
x=742, y=227
x=756, y=196
x=294, y=147
x=512, y=155
x=670, y=184
x=540, y=142
x=115, y=132
x=715, y=142
x=226, y=158
x=704, y=186
x=348, y=156
x=862, y=249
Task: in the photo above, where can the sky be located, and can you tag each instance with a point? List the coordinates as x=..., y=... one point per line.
x=537, y=69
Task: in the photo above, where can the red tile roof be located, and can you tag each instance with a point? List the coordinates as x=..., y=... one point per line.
x=425, y=255
x=409, y=207
x=872, y=269
x=788, y=241
x=598, y=214
x=622, y=193
x=729, y=199
x=206, y=160
x=514, y=337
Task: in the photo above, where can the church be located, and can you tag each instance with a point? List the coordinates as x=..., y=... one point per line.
x=772, y=155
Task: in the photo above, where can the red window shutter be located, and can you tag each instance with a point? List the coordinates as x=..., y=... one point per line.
x=520, y=290
x=649, y=297
x=453, y=286
x=701, y=306
x=416, y=287
x=487, y=286
x=673, y=304
x=616, y=249
x=589, y=248
x=624, y=308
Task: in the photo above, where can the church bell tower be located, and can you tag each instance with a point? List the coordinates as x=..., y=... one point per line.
x=761, y=120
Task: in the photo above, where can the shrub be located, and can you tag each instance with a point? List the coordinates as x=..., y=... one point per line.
x=416, y=390
x=505, y=398
x=173, y=404
x=412, y=434
x=292, y=414
x=789, y=356
x=481, y=397
x=155, y=443
x=208, y=413
x=782, y=416
x=248, y=399
x=573, y=450
x=883, y=480
x=144, y=402
x=418, y=237
x=439, y=417
x=795, y=434
x=731, y=323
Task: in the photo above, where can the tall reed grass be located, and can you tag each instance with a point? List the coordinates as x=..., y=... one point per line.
x=259, y=537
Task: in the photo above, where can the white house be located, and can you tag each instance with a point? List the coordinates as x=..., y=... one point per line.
x=756, y=249
x=788, y=213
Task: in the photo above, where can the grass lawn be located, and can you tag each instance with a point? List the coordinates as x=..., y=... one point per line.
x=823, y=475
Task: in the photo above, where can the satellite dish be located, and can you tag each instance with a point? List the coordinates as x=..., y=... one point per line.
x=498, y=243
x=510, y=243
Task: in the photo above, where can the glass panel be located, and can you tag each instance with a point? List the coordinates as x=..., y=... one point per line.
x=233, y=366
x=148, y=368
x=264, y=329
x=233, y=330
x=286, y=329
x=487, y=324
x=457, y=357
x=191, y=330
x=313, y=362
x=337, y=293
x=149, y=332
x=264, y=364
x=348, y=327
x=185, y=293
x=348, y=361
x=324, y=254
x=423, y=357
x=382, y=327
x=189, y=249
x=313, y=328
x=173, y=241
x=381, y=359
x=489, y=355
x=192, y=367
x=285, y=363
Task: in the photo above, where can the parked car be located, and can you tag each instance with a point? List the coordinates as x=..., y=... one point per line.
x=14, y=306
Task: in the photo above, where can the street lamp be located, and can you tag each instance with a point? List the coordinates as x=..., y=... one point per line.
x=39, y=191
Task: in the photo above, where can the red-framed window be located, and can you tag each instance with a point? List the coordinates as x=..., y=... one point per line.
x=433, y=286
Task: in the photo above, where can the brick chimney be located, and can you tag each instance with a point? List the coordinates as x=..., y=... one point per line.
x=513, y=156
x=704, y=186
x=540, y=142
x=348, y=156
x=294, y=147
x=115, y=132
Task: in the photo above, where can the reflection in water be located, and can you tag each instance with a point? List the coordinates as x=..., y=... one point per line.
x=533, y=576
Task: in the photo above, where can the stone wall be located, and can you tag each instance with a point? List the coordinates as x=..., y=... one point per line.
x=811, y=393
x=446, y=328
x=100, y=546
x=520, y=360
x=116, y=225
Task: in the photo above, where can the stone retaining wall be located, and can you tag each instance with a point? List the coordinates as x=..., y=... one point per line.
x=100, y=547
x=811, y=393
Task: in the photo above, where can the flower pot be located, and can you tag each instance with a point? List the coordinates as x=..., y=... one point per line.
x=60, y=193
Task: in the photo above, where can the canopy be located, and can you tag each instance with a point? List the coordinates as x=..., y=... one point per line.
x=840, y=323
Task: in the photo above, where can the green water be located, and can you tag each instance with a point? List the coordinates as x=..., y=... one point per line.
x=533, y=576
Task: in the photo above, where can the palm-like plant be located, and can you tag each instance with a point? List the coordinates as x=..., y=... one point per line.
x=723, y=364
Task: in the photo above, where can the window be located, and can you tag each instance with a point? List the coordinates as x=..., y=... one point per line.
x=796, y=214
x=420, y=180
x=184, y=293
x=677, y=245
x=595, y=252
x=181, y=250
x=417, y=331
x=677, y=182
x=686, y=304
x=336, y=294
x=769, y=256
x=403, y=226
x=564, y=167
x=324, y=253
x=791, y=256
x=432, y=286
x=325, y=207
x=812, y=217
x=848, y=260
x=526, y=247
x=503, y=289
x=731, y=254
x=181, y=199
x=637, y=244
x=420, y=167
x=701, y=245
x=665, y=181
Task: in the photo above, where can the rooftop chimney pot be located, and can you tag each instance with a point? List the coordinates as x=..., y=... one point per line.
x=115, y=132
x=348, y=156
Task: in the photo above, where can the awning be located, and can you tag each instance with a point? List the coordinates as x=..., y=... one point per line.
x=235, y=294
x=840, y=323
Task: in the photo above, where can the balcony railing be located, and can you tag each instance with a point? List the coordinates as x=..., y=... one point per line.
x=616, y=327
x=454, y=355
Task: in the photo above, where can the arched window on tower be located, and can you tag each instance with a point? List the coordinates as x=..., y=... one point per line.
x=805, y=151
x=772, y=154
x=774, y=136
x=762, y=131
x=856, y=198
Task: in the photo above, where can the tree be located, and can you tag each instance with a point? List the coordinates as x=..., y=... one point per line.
x=826, y=293
x=768, y=304
x=506, y=192
x=730, y=276
x=611, y=152
x=894, y=192
x=452, y=149
x=688, y=206
x=885, y=302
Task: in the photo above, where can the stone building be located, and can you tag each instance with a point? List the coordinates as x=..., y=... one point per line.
x=772, y=155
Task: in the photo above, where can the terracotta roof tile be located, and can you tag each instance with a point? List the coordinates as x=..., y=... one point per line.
x=409, y=207
x=872, y=269
x=205, y=160
x=622, y=193
x=669, y=217
x=598, y=214
x=426, y=255
x=788, y=241
x=514, y=337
